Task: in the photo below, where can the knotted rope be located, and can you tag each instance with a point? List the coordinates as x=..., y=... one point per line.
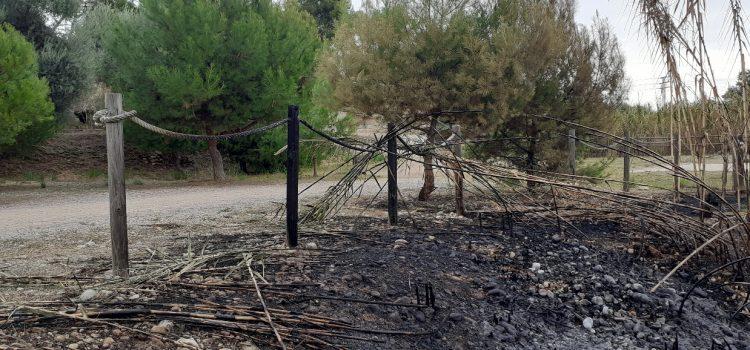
x=103, y=116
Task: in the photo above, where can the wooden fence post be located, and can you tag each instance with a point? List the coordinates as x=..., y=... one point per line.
x=315, y=163
x=676, y=154
x=458, y=174
x=292, y=176
x=118, y=223
x=572, y=151
x=626, y=164
x=392, y=177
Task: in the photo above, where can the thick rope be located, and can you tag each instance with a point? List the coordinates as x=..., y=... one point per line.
x=193, y=137
x=103, y=116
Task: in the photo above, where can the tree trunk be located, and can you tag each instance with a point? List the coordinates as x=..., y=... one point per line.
x=216, y=161
x=177, y=161
x=429, y=174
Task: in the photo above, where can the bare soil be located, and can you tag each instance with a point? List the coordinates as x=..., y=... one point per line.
x=74, y=154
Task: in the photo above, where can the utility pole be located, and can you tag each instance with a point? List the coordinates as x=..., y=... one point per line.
x=663, y=87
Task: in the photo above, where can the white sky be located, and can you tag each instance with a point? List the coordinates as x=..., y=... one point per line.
x=642, y=65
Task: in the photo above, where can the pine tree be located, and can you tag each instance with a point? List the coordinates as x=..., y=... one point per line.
x=403, y=60
x=512, y=59
x=24, y=97
x=211, y=67
x=326, y=14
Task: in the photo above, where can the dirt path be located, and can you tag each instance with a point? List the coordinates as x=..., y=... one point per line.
x=28, y=215
x=39, y=214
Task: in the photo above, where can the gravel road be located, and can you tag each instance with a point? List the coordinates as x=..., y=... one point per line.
x=34, y=214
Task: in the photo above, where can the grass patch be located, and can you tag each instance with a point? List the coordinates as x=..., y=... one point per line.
x=135, y=182
x=651, y=177
x=95, y=173
x=178, y=175
x=35, y=177
x=32, y=176
x=598, y=168
x=378, y=158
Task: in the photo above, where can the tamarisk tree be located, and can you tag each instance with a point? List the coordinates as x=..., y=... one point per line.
x=212, y=67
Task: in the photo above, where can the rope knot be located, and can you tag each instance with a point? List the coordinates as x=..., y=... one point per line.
x=104, y=116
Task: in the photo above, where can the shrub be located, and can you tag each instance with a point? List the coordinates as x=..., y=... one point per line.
x=24, y=97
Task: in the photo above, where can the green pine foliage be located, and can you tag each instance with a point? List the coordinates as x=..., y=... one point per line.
x=392, y=63
x=553, y=67
x=257, y=154
x=25, y=107
x=60, y=61
x=212, y=67
x=326, y=14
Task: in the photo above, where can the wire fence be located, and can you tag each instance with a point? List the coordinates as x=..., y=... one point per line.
x=607, y=147
x=495, y=182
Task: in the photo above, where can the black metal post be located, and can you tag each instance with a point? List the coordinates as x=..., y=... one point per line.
x=292, y=176
x=626, y=164
x=392, y=178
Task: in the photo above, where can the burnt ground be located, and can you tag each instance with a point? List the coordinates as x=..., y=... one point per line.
x=531, y=287
x=487, y=296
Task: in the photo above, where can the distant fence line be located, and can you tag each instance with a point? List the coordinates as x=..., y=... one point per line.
x=715, y=145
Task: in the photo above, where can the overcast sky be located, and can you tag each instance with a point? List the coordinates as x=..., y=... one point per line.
x=642, y=65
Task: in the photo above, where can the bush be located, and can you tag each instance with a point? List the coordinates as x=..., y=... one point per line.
x=95, y=173
x=178, y=175
x=256, y=154
x=24, y=97
x=60, y=60
x=59, y=63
